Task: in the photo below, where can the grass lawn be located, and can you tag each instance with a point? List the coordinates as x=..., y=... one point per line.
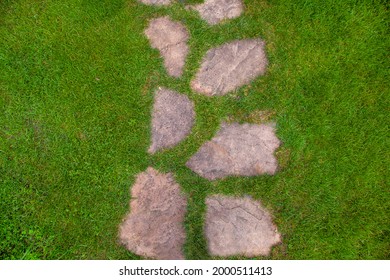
x=76, y=88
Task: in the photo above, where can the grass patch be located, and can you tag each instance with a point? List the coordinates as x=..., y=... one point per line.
x=76, y=84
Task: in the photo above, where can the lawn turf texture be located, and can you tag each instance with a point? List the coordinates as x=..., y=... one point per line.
x=76, y=89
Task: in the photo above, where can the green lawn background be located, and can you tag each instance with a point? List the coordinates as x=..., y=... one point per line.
x=76, y=88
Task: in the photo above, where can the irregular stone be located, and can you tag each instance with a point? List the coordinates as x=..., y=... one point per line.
x=157, y=2
x=215, y=11
x=172, y=119
x=239, y=226
x=154, y=228
x=170, y=38
x=237, y=150
x=230, y=66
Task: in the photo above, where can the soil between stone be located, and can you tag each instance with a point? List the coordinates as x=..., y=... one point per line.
x=172, y=119
x=237, y=150
x=170, y=38
x=154, y=227
x=239, y=226
x=215, y=11
x=230, y=66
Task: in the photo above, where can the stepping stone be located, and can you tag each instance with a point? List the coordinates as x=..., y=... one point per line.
x=237, y=150
x=230, y=66
x=239, y=226
x=172, y=119
x=215, y=11
x=157, y=2
x=170, y=38
x=154, y=228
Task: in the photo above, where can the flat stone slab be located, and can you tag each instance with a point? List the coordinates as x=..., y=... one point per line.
x=172, y=119
x=230, y=66
x=157, y=2
x=154, y=228
x=215, y=11
x=237, y=150
x=170, y=38
x=238, y=226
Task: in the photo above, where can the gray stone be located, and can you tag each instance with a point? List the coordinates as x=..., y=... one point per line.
x=237, y=150
x=157, y=2
x=215, y=11
x=154, y=227
x=239, y=226
x=170, y=38
x=230, y=66
x=172, y=119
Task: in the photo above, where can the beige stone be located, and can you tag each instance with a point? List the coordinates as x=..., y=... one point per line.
x=215, y=11
x=239, y=226
x=157, y=2
x=237, y=150
x=172, y=119
x=230, y=66
x=170, y=38
x=154, y=227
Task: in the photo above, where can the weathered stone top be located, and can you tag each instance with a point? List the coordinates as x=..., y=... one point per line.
x=239, y=226
x=237, y=150
x=230, y=66
x=215, y=11
x=172, y=119
x=157, y=2
x=154, y=228
x=170, y=38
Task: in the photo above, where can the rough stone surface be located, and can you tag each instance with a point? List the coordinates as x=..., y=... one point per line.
x=215, y=11
x=157, y=2
x=237, y=150
x=154, y=228
x=239, y=226
x=170, y=38
x=230, y=66
x=172, y=119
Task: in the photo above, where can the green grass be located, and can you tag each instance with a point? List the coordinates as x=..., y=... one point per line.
x=76, y=89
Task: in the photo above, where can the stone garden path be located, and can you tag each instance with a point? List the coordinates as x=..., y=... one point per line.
x=233, y=225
